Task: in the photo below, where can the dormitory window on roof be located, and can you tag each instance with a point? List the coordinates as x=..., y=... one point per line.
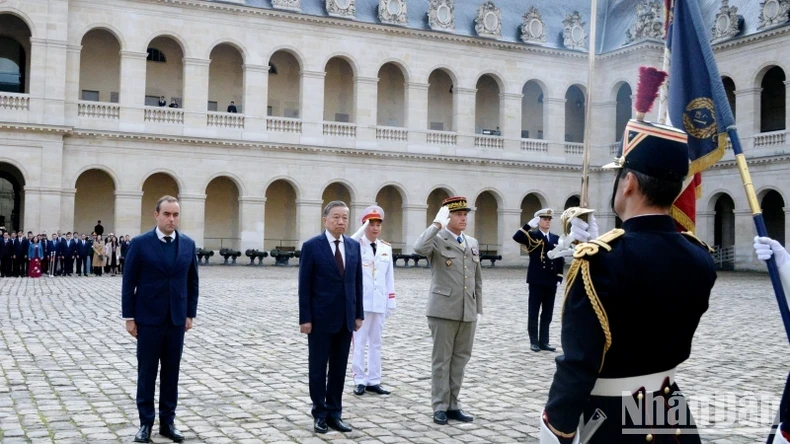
x=155, y=55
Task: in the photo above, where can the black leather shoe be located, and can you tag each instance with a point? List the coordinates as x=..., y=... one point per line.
x=440, y=417
x=377, y=389
x=170, y=431
x=144, y=434
x=319, y=425
x=547, y=347
x=338, y=424
x=534, y=347
x=459, y=415
x=359, y=390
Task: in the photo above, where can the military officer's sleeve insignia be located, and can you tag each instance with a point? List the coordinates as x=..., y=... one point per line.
x=475, y=251
x=695, y=240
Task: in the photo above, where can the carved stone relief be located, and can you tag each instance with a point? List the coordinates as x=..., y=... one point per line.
x=294, y=5
x=728, y=23
x=533, y=30
x=773, y=13
x=441, y=15
x=573, y=35
x=488, y=22
x=341, y=8
x=393, y=12
x=649, y=24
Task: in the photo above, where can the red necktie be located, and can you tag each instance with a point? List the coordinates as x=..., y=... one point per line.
x=339, y=259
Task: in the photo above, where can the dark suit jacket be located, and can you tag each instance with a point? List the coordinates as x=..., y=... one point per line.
x=542, y=270
x=151, y=289
x=7, y=250
x=325, y=298
x=85, y=249
x=67, y=248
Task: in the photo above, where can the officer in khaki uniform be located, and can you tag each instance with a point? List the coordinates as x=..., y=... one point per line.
x=455, y=304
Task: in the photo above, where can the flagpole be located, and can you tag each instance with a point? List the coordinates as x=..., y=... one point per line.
x=585, y=197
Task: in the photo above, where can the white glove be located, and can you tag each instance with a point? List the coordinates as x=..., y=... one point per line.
x=358, y=235
x=583, y=231
x=390, y=312
x=442, y=217
x=533, y=223
x=564, y=247
x=765, y=247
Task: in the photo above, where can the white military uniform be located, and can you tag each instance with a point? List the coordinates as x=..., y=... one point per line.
x=378, y=288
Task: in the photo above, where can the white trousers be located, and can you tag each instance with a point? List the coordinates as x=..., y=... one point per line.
x=370, y=335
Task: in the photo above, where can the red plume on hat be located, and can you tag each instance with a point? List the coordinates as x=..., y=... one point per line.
x=650, y=80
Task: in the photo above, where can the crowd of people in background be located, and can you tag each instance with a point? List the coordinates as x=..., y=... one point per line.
x=35, y=255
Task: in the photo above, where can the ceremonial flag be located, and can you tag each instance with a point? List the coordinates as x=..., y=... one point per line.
x=696, y=101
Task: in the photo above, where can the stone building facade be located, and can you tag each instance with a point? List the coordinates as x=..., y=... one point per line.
x=394, y=102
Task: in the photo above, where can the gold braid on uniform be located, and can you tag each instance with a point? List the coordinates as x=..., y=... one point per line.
x=581, y=263
x=603, y=319
x=533, y=244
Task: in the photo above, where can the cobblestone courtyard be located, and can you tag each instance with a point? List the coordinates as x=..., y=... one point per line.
x=67, y=366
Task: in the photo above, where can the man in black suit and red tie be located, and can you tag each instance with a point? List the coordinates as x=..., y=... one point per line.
x=330, y=310
x=159, y=303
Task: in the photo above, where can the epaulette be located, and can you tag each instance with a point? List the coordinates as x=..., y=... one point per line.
x=594, y=246
x=385, y=243
x=694, y=239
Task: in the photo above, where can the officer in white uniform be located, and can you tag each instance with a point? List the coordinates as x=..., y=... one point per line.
x=378, y=301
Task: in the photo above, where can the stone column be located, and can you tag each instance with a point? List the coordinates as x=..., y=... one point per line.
x=46, y=69
x=256, y=98
x=132, y=94
x=193, y=213
x=604, y=131
x=66, y=209
x=787, y=100
x=745, y=259
x=312, y=107
x=73, y=93
x=195, y=94
x=554, y=128
x=308, y=219
x=510, y=119
x=127, y=212
x=509, y=222
x=705, y=229
x=42, y=209
x=413, y=225
x=252, y=216
x=417, y=112
x=366, y=100
x=464, y=115
x=747, y=115
x=605, y=220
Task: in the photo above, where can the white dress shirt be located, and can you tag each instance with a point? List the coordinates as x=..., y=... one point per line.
x=342, y=245
x=161, y=235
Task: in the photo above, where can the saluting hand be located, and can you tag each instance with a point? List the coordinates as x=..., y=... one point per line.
x=442, y=217
x=358, y=235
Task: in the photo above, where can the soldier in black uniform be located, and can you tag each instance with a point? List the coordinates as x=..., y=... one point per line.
x=543, y=276
x=633, y=301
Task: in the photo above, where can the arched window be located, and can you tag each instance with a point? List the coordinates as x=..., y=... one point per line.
x=155, y=55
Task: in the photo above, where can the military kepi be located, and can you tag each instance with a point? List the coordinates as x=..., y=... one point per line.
x=658, y=151
x=456, y=203
x=373, y=212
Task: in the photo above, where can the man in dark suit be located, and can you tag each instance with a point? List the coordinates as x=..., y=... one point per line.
x=68, y=251
x=159, y=303
x=543, y=275
x=99, y=228
x=84, y=250
x=21, y=253
x=232, y=107
x=330, y=310
x=6, y=253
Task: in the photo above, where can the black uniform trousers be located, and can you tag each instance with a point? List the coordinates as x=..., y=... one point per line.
x=327, y=393
x=158, y=344
x=629, y=421
x=541, y=300
x=68, y=265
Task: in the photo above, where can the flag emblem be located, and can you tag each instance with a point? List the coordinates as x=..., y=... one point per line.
x=699, y=118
